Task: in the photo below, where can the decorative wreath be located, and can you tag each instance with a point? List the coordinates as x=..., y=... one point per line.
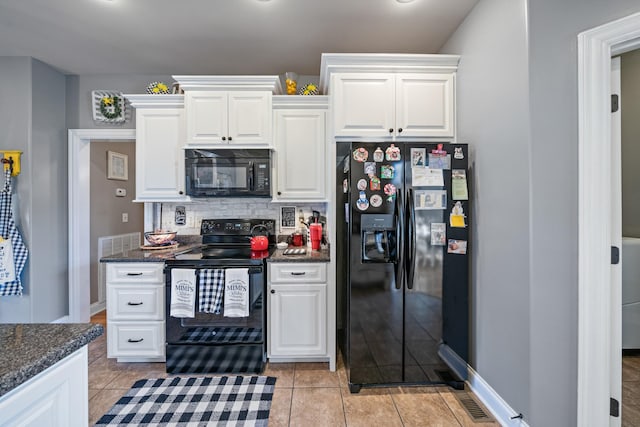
x=110, y=101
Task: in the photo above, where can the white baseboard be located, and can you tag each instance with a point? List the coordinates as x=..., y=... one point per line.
x=64, y=319
x=456, y=363
x=97, y=307
x=500, y=409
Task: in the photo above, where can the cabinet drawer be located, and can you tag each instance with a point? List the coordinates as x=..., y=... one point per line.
x=293, y=272
x=139, y=272
x=135, y=339
x=135, y=302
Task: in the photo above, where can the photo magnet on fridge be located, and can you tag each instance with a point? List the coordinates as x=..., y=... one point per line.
x=378, y=155
x=459, y=185
x=456, y=218
x=418, y=157
x=369, y=168
x=387, y=172
x=457, y=247
x=430, y=199
x=427, y=177
x=438, y=234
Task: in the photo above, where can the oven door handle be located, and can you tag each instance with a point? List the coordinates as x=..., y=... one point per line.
x=252, y=269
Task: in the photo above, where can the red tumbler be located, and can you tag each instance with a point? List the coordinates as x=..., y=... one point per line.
x=315, y=232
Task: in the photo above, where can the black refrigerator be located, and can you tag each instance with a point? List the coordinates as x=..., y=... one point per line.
x=403, y=262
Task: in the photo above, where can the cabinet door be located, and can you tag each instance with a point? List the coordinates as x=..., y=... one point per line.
x=56, y=397
x=363, y=105
x=425, y=105
x=159, y=157
x=297, y=320
x=300, y=159
x=250, y=118
x=207, y=117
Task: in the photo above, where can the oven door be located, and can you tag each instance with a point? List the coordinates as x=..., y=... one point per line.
x=215, y=343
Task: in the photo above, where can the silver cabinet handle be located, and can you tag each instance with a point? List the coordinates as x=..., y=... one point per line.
x=132, y=340
x=300, y=273
x=134, y=303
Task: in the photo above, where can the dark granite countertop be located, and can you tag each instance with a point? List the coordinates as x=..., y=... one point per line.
x=30, y=348
x=143, y=255
x=311, y=256
x=161, y=255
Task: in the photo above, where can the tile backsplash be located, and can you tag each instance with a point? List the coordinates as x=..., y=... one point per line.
x=254, y=207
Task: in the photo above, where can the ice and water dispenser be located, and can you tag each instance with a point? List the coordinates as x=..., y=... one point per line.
x=379, y=243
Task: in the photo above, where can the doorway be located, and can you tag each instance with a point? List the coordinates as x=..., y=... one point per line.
x=598, y=371
x=79, y=217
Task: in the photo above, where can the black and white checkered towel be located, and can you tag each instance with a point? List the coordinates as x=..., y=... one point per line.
x=211, y=290
x=237, y=401
x=8, y=230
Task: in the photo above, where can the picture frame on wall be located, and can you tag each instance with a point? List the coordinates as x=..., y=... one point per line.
x=117, y=166
x=287, y=217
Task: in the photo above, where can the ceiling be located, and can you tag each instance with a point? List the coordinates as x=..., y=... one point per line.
x=220, y=37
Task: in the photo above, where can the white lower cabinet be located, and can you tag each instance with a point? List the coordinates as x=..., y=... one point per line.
x=135, y=312
x=297, y=311
x=56, y=397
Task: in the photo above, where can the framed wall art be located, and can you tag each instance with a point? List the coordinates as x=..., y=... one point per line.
x=287, y=217
x=117, y=166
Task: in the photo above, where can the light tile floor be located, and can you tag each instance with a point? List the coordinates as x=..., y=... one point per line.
x=306, y=394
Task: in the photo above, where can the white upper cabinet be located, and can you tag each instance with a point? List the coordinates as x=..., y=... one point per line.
x=229, y=110
x=160, y=122
x=391, y=96
x=425, y=105
x=300, y=158
x=228, y=118
x=364, y=104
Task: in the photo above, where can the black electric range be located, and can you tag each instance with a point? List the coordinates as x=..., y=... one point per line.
x=228, y=242
x=211, y=342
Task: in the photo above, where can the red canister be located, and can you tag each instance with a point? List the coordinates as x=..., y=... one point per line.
x=296, y=239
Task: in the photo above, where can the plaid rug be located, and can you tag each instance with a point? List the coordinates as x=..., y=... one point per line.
x=231, y=401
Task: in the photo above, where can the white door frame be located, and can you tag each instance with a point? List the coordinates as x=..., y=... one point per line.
x=79, y=212
x=595, y=48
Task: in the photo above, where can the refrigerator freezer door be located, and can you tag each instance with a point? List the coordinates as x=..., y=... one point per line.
x=374, y=302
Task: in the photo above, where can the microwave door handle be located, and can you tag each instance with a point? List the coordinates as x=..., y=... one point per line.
x=251, y=176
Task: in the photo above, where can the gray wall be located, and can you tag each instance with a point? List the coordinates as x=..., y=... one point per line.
x=553, y=30
x=15, y=134
x=32, y=110
x=106, y=208
x=49, y=252
x=79, y=96
x=493, y=117
x=630, y=103
x=543, y=384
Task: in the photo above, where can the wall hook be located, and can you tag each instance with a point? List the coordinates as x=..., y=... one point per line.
x=11, y=161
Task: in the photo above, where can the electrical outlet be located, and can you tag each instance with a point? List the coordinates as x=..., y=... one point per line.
x=125, y=217
x=121, y=192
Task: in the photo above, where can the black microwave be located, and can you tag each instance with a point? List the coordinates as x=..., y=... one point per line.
x=228, y=172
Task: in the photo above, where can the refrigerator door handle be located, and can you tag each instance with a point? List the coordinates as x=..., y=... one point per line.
x=398, y=266
x=411, y=227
